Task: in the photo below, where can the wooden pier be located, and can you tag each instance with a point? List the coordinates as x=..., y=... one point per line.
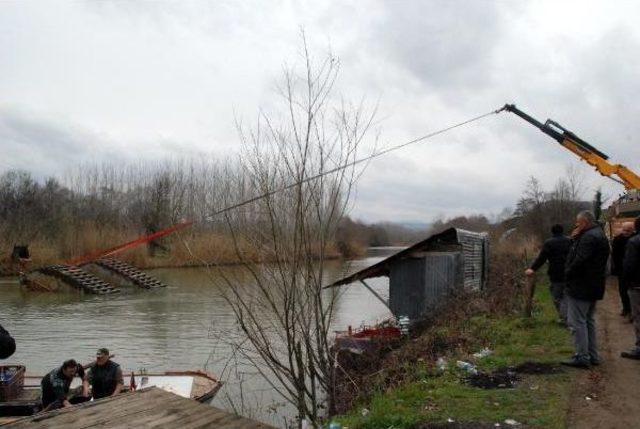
x=129, y=272
x=79, y=279
x=145, y=408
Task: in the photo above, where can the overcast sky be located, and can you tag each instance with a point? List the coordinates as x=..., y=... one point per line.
x=87, y=81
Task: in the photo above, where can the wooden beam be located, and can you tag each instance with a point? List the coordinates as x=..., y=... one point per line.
x=376, y=294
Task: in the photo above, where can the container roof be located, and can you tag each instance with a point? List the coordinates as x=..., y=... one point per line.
x=382, y=268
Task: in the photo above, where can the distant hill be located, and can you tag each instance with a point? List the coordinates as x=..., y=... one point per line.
x=416, y=226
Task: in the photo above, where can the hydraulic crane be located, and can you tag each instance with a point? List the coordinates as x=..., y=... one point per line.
x=625, y=208
x=584, y=150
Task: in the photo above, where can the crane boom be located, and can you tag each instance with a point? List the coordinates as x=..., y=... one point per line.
x=582, y=149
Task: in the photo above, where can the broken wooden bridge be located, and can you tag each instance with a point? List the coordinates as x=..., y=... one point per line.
x=101, y=277
x=98, y=272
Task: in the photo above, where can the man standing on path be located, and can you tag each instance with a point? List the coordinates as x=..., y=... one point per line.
x=554, y=250
x=631, y=275
x=618, y=246
x=585, y=273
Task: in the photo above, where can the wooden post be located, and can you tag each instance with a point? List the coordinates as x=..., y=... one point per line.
x=531, y=291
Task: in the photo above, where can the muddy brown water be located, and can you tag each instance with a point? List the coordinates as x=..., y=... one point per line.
x=171, y=328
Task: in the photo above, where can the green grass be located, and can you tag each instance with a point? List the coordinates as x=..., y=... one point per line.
x=431, y=397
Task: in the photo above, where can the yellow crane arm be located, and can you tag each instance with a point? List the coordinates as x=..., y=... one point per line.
x=582, y=149
x=625, y=176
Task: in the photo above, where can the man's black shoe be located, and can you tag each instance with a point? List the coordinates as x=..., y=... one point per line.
x=576, y=363
x=630, y=355
x=595, y=362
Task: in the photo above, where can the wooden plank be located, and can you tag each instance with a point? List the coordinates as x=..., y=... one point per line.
x=124, y=408
x=151, y=407
x=88, y=409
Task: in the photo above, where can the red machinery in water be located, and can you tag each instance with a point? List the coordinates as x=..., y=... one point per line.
x=375, y=331
x=126, y=246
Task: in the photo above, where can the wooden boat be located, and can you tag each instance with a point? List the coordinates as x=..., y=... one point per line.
x=197, y=385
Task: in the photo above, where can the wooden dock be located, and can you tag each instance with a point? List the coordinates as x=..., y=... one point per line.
x=145, y=408
x=79, y=279
x=130, y=273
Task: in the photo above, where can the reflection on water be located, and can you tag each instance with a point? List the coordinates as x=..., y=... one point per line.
x=158, y=329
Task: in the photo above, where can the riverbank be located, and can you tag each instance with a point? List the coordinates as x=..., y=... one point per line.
x=420, y=393
x=180, y=250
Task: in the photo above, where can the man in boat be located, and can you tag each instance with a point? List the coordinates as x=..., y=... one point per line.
x=7, y=344
x=104, y=376
x=55, y=385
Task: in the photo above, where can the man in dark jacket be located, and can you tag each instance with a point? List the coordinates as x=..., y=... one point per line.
x=7, y=344
x=55, y=386
x=618, y=246
x=631, y=276
x=585, y=272
x=554, y=250
x=104, y=376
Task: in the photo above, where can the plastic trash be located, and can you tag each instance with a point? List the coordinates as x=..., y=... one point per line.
x=441, y=364
x=335, y=425
x=364, y=412
x=482, y=353
x=469, y=367
x=450, y=420
x=404, y=323
x=512, y=422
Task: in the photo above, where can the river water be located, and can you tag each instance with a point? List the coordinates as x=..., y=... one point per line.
x=171, y=328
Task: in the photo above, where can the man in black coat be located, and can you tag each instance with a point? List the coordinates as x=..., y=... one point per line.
x=55, y=386
x=105, y=377
x=618, y=246
x=585, y=272
x=7, y=344
x=554, y=250
x=631, y=276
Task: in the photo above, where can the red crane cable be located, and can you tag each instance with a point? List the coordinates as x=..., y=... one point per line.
x=81, y=260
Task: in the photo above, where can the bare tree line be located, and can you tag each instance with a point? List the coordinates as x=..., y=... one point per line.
x=131, y=198
x=536, y=210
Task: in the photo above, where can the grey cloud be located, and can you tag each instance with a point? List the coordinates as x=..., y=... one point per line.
x=447, y=44
x=163, y=78
x=45, y=148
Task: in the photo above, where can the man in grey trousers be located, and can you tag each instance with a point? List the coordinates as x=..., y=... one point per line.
x=631, y=275
x=585, y=273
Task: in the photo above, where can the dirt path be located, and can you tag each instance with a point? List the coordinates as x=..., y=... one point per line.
x=614, y=387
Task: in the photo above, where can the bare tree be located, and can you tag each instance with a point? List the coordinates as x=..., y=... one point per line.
x=283, y=312
x=575, y=179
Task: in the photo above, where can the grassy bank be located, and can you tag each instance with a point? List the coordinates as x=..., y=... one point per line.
x=429, y=396
x=182, y=249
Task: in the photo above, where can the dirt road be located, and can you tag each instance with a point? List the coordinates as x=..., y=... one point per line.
x=613, y=387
